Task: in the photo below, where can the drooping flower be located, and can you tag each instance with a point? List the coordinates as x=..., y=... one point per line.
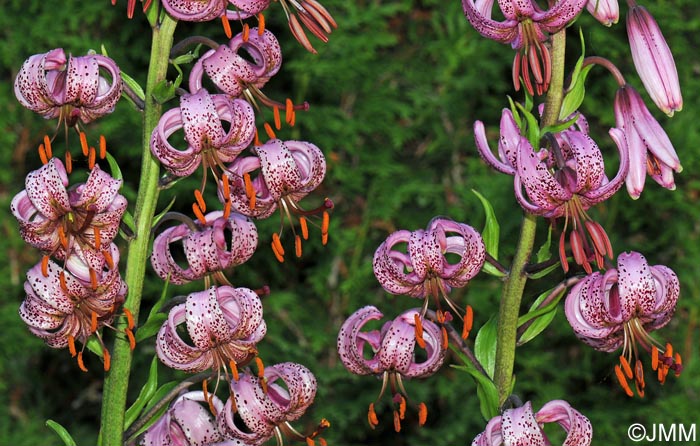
x=526, y=28
x=69, y=88
x=267, y=403
x=223, y=323
x=424, y=269
x=82, y=220
x=566, y=182
x=209, y=248
x=195, y=10
x=204, y=118
x=69, y=304
x=522, y=426
x=393, y=354
x=186, y=423
x=620, y=308
x=508, y=143
x=653, y=60
x=288, y=171
x=650, y=149
x=606, y=12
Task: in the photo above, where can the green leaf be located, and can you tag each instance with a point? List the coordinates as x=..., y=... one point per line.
x=544, y=253
x=157, y=397
x=490, y=234
x=114, y=169
x=155, y=317
x=145, y=395
x=62, y=432
x=533, y=127
x=485, y=388
x=164, y=91
x=157, y=218
x=93, y=344
x=556, y=128
x=133, y=85
x=577, y=89
x=485, y=345
x=541, y=317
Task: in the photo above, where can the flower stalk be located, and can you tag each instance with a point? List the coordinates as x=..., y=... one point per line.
x=117, y=380
x=516, y=280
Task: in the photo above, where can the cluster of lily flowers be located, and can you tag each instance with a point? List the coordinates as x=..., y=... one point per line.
x=609, y=309
x=76, y=289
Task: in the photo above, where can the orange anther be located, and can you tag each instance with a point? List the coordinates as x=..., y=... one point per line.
x=234, y=369
x=98, y=239
x=263, y=385
x=669, y=350
x=276, y=241
x=107, y=360
x=45, y=266
x=103, y=147
x=261, y=367
x=278, y=256
x=397, y=422
x=129, y=318
x=198, y=213
x=227, y=26
x=445, y=338
x=83, y=143
x=71, y=346
x=246, y=32
x=249, y=190
x=226, y=186
x=93, y=322
x=47, y=146
x=679, y=363
x=419, y=331
x=62, y=238
x=623, y=382
x=256, y=140
x=91, y=158
x=108, y=259
x=440, y=316
x=402, y=407
x=372, y=416
x=422, y=414
x=261, y=24
x=626, y=367
x=304, y=228
x=654, y=357
x=93, y=279
x=227, y=209
x=200, y=200
x=132, y=339
x=324, y=226
x=69, y=162
x=297, y=245
x=80, y=362
x=310, y=441
x=276, y=115
x=639, y=375
x=42, y=154
x=269, y=131
x=289, y=111
x=562, y=253
x=468, y=322
x=62, y=281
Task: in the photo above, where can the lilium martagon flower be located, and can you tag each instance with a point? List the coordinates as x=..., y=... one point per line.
x=527, y=29
x=620, y=308
x=393, y=355
x=606, y=12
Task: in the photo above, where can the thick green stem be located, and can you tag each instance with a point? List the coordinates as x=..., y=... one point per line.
x=117, y=379
x=515, y=283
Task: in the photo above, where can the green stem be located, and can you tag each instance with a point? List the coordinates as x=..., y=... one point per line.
x=515, y=283
x=117, y=379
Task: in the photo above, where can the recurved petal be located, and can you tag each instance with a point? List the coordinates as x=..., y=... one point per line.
x=249, y=402
x=468, y=245
x=504, y=32
x=636, y=284
x=587, y=310
x=195, y=10
x=667, y=293
x=99, y=193
x=46, y=188
x=559, y=15
x=519, y=426
x=174, y=352
x=200, y=121
x=394, y=269
x=543, y=190
x=351, y=344
x=297, y=393
x=579, y=431
x=178, y=162
x=589, y=167
x=243, y=312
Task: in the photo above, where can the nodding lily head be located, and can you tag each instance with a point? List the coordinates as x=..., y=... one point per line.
x=620, y=308
x=606, y=12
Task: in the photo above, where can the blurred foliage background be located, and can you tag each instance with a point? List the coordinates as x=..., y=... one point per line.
x=393, y=97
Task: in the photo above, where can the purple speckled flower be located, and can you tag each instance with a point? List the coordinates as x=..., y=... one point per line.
x=69, y=88
x=267, y=404
x=508, y=143
x=606, y=12
x=202, y=116
x=649, y=147
x=620, y=307
x=82, y=220
x=653, y=60
x=446, y=254
x=393, y=353
x=521, y=426
x=187, y=423
x=68, y=303
x=195, y=10
x=526, y=28
x=209, y=248
x=223, y=323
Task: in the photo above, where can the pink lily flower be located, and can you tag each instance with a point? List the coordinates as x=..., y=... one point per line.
x=82, y=220
x=650, y=149
x=187, y=422
x=526, y=28
x=201, y=117
x=267, y=404
x=653, y=60
x=522, y=426
x=393, y=350
x=223, y=323
x=69, y=88
x=209, y=248
x=606, y=12
x=620, y=308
